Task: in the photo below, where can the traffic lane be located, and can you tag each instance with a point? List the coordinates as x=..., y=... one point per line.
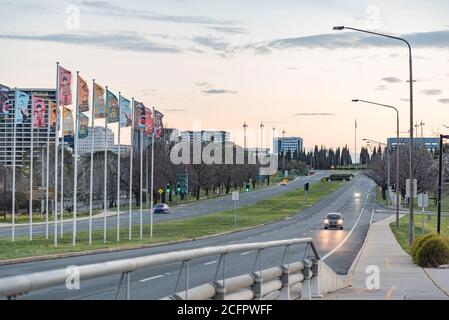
x=158, y=274
x=320, y=206
x=182, y=212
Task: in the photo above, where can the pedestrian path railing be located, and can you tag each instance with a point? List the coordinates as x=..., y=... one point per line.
x=289, y=280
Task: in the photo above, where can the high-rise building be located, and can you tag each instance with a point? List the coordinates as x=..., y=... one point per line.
x=41, y=136
x=85, y=144
x=206, y=136
x=287, y=144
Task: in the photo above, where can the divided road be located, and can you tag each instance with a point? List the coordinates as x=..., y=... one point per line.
x=181, y=211
x=338, y=249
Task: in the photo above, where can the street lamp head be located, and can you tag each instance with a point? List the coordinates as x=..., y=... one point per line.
x=338, y=28
x=355, y=100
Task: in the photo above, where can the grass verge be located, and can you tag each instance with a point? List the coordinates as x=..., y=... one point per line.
x=265, y=211
x=401, y=234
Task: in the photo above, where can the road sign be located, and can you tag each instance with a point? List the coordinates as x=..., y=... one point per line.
x=182, y=183
x=235, y=195
x=286, y=173
x=161, y=191
x=423, y=200
x=415, y=188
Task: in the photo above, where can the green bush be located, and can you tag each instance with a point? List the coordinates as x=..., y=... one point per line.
x=433, y=252
x=417, y=243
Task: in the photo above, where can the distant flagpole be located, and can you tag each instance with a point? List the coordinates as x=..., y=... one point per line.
x=13, y=230
x=105, y=193
x=31, y=171
x=131, y=172
x=152, y=176
x=55, y=213
x=141, y=182
x=118, y=169
x=75, y=160
x=47, y=166
x=355, y=142
x=91, y=161
x=62, y=178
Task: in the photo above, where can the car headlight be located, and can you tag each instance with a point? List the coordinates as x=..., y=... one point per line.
x=340, y=221
x=326, y=221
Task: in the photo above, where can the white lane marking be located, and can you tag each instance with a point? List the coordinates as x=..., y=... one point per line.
x=151, y=278
x=346, y=238
x=210, y=262
x=245, y=253
x=372, y=217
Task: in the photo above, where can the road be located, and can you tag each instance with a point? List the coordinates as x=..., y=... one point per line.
x=179, y=212
x=338, y=249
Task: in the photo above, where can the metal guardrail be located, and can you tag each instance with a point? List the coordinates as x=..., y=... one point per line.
x=259, y=281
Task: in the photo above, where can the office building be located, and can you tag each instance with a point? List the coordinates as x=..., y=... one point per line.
x=287, y=144
x=206, y=136
x=85, y=144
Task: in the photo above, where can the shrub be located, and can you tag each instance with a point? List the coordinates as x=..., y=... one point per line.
x=417, y=243
x=433, y=252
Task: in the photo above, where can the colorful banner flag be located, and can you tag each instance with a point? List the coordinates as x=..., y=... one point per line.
x=21, y=109
x=67, y=122
x=65, y=87
x=83, y=130
x=139, y=115
x=52, y=113
x=112, y=107
x=148, y=121
x=83, y=95
x=158, y=124
x=125, y=112
x=100, y=106
x=5, y=103
x=39, y=110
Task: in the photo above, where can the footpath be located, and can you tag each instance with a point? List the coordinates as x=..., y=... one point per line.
x=384, y=271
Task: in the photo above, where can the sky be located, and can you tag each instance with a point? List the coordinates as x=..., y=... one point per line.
x=215, y=64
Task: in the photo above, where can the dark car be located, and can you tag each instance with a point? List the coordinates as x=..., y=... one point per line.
x=333, y=220
x=161, y=208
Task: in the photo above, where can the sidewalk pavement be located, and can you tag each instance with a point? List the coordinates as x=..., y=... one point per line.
x=399, y=277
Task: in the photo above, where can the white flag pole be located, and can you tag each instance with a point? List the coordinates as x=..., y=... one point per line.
x=141, y=182
x=118, y=170
x=31, y=171
x=105, y=193
x=62, y=178
x=13, y=231
x=75, y=161
x=152, y=177
x=91, y=161
x=47, y=166
x=131, y=172
x=55, y=213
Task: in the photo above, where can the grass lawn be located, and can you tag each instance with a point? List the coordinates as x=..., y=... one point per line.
x=269, y=210
x=429, y=227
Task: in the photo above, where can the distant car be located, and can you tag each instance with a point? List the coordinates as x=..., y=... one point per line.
x=357, y=195
x=333, y=220
x=325, y=179
x=283, y=182
x=161, y=208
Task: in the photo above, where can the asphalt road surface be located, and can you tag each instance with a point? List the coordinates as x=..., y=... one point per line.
x=181, y=211
x=337, y=247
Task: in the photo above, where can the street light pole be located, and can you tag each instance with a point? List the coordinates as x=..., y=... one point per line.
x=398, y=198
x=411, y=224
x=282, y=149
x=440, y=181
x=244, y=147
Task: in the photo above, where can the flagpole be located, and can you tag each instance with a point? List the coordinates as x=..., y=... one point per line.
x=13, y=229
x=31, y=171
x=91, y=162
x=118, y=170
x=62, y=179
x=131, y=172
x=355, y=142
x=152, y=177
x=105, y=166
x=147, y=172
x=55, y=213
x=75, y=172
x=141, y=181
x=47, y=166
